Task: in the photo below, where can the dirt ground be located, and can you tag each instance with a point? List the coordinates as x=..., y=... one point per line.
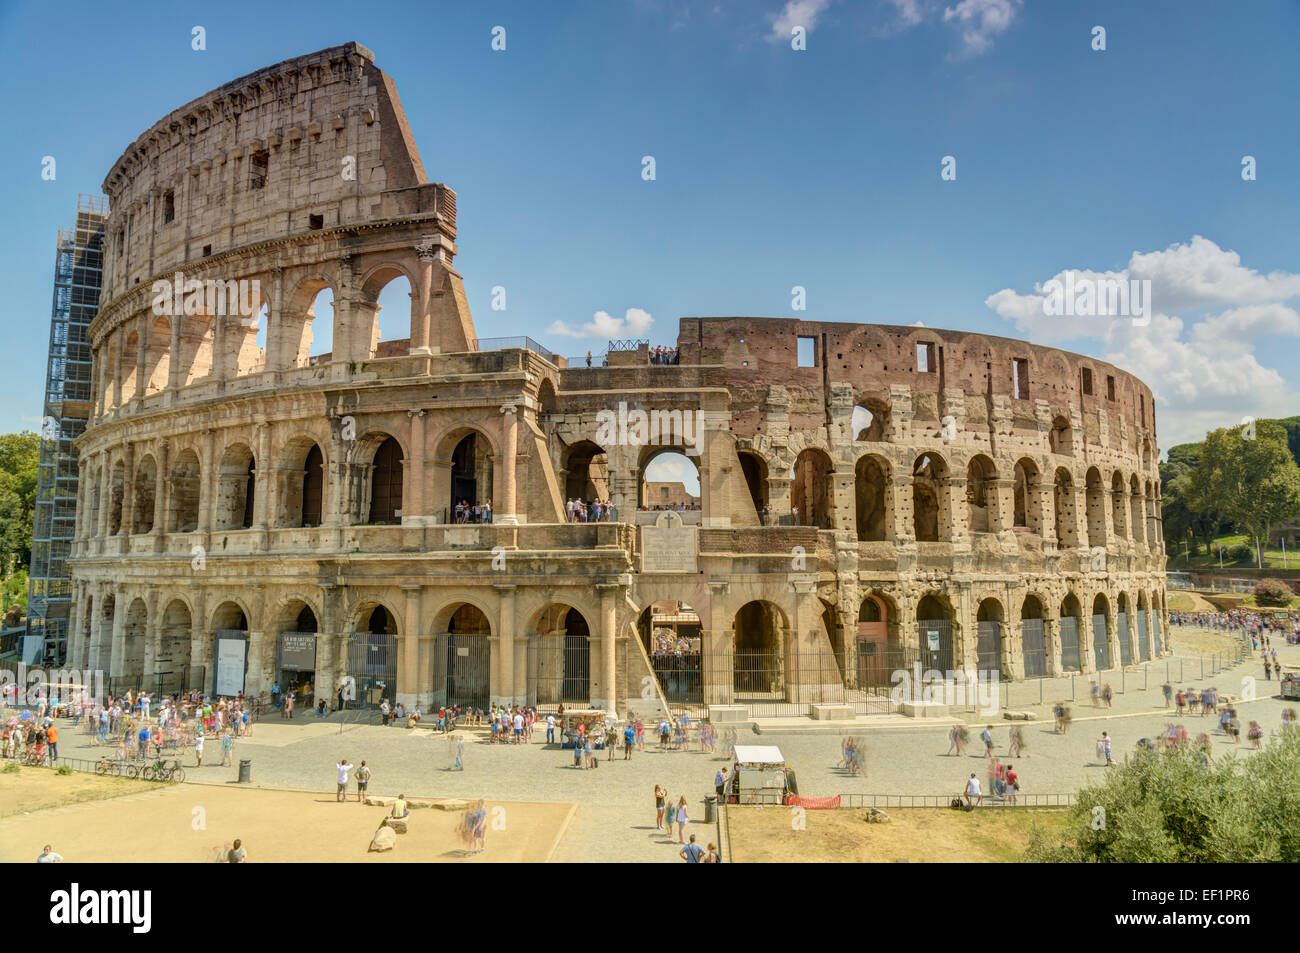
x=1200, y=641
x=918, y=835
x=1183, y=600
x=102, y=820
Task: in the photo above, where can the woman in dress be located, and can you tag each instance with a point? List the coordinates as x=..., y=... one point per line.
x=682, y=820
x=661, y=800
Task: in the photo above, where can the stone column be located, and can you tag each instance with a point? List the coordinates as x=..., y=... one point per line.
x=422, y=299
x=128, y=491
x=506, y=488
x=604, y=688
x=958, y=517
x=411, y=690
x=105, y=494
x=175, y=370
x=162, y=494
x=415, y=507
x=207, y=484
x=116, y=667
x=141, y=382
x=503, y=690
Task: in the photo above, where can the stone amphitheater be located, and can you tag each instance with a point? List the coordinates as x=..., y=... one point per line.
x=251, y=511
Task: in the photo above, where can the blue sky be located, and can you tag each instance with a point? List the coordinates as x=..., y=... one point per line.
x=774, y=167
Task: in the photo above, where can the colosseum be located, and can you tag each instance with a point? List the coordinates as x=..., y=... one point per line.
x=252, y=511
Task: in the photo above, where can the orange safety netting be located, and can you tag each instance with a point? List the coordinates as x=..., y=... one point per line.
x=813, y=803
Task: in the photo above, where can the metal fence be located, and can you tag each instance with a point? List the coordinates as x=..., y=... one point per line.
x=945, y=800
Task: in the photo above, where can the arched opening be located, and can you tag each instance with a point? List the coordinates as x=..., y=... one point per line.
x=1033, y=637
x=1067, y=528
x=1118, y=506
x=243, y=323
x=146, y=490
x=183, y=498
x=876, y=659
x=758, y=635
x=1096, y=503
x=95, y=491
x=295, y=653
x=236, y=488
x=372, y=657
x=116, y=492
x=158, y=357
x=1155, y=537
x=929, y=498
x=934, y=627
x=468, y=657
x=1121, y=630
x=303, y=487
x=386, y=483
x=559, y=668
x=130, y=370
x=1025, y=489
x=1144, y=649
x=471, y=477
x=196, y=340
x=546, y=402
x=981, y=495
x=175, y=641
x=1100, y=633
x=586, y=472
x=669, y=480
x=871, y=421
x=388, y=320
x=1071, y=616
x=988, y=622
x=230, y=655
x=670, y=633
x=1061, y=436
x=134, y=628
x=873, y=497
x=754, y=468
x=810, y=491
x=1137, y=525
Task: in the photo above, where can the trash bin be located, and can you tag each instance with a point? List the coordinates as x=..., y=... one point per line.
x=711, y=809
x=245, y=770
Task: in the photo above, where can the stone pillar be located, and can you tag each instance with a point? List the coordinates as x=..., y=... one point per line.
x=105, y=494
x=207, y=484
x=415, y=507
x=1052, y=640
x=503, y=690
x=141, y=382
x=506, y=485
x=778, y=498
x=604, y=687
x=175, y=370
x=276, y=345
x=162, y=495
x=958, y=517
x=128, y=491
x=411, y=690
x=117, y=368
x=120, y=601
x=422, y=299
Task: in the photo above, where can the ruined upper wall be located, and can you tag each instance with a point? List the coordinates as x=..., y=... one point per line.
x=315, y=142
x=758, y=352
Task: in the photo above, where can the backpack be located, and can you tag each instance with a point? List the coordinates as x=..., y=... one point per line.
x=956, y=804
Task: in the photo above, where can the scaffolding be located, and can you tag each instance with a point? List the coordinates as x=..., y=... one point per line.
x=78, y=276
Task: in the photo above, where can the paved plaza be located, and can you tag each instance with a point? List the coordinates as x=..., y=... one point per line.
x=615, y=802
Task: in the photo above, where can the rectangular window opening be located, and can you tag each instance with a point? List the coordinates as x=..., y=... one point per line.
x=169, y=206
x=925, y=363
x=1021, y=382
x=316, y=222
x=1110, y=387
x=1087, y=382
x=807, y=352
x=258, y=164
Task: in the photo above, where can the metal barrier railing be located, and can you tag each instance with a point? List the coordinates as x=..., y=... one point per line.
x=945, y=800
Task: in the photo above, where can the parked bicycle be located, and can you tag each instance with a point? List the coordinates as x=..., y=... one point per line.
x=159, y=770
x=108, y=767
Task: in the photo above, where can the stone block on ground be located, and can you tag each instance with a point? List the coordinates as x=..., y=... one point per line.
x=398, y=824
x=877, y=816
x=728, y=714
x=1010, y=715
x=831, y=711
x=385, y=839
x=923, y=710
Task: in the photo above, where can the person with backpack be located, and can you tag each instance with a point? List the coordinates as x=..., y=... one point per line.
x=629, y=740
x=691, y=852
x=363, y=782
x=987, y=737
x=1013, y=784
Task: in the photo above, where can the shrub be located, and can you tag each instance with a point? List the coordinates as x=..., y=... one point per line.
x=63, y=769
x=10, y=768
x=1242, y=553
x=1273, y=592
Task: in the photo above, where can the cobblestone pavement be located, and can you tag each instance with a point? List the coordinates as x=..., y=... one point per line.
x=615, y=817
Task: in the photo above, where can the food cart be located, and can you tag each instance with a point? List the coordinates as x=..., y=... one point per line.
x=761, y=776
x=1291, y=685
x=594, y=722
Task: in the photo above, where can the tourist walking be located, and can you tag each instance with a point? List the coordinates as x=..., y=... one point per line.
x=1013, y=784
x=236, y=854
x=720, y=784
x=198, y=747
x=629, y=740
x=1095, y=691
x=987, y=737
x=1107, y=694
x=1104, y=749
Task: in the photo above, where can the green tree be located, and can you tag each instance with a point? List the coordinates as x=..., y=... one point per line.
x=19, y=459
x=1252, y=479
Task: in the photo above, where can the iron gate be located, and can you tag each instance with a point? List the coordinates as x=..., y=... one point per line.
x=936, y=644
x=1100, y=642
x=1070, y=644
x=1155, y=631
x=559, y=670
x=988, y=650
x=372, y=663
x=1125, y=646
x=1144, y=651
x=1034, y=643
x=680, y=676
x=468, y=663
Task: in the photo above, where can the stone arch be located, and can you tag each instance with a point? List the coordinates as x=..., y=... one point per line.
x=930, y=498
x=1033, y=636
x=753, y=467
x=197, y=339
x=381, y=281
x=990, y=626
x=1137, y=521
x=146, y=489
x=870, y=420
x=299, y=335
x=231, y=613
x=655, y=494
x=1061, y=437
x=759, y=631
x=463, y=656
x=295, y=642
x=303, y=478
x=1118, y=505
x=464, y=464
x=135, y=627
x=383, y=461
x=546, y=401
x=811, y=490
x=559, y=654
x=1066, y=519
x=173, y=653
x=873, y=491
x=935, y=620
x=158, y=356
x=586, y=467
x=374, y=657
x=981, y=495
x=236, y=488
x=1095, y=497
x=1025, y=488
x=131, y=371
x=183, y=492
x=116, y=490
x=1072, y=633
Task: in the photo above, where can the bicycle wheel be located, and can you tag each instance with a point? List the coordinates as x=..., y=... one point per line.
x=149, y=773
x=132, y=771
x=101, y=769
x=115, y=769
x=177, y=775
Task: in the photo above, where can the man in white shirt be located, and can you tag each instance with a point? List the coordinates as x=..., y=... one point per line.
x=519, y=728
x=344, y=766
x=973, y=790
x=550, y=729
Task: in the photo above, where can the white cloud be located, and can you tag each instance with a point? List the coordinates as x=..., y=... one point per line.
x=795, y=13
x=604, y=325
x=980, y=21
x=1204, y=372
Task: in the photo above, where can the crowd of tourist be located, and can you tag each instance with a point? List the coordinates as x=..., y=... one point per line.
x=467, y=512
x=1239, y=621
x=590, y=511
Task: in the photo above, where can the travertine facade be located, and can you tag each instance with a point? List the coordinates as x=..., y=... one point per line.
x=947, y=485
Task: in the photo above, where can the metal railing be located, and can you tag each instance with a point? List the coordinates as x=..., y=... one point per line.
x=506, y=343
x=945, y=800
